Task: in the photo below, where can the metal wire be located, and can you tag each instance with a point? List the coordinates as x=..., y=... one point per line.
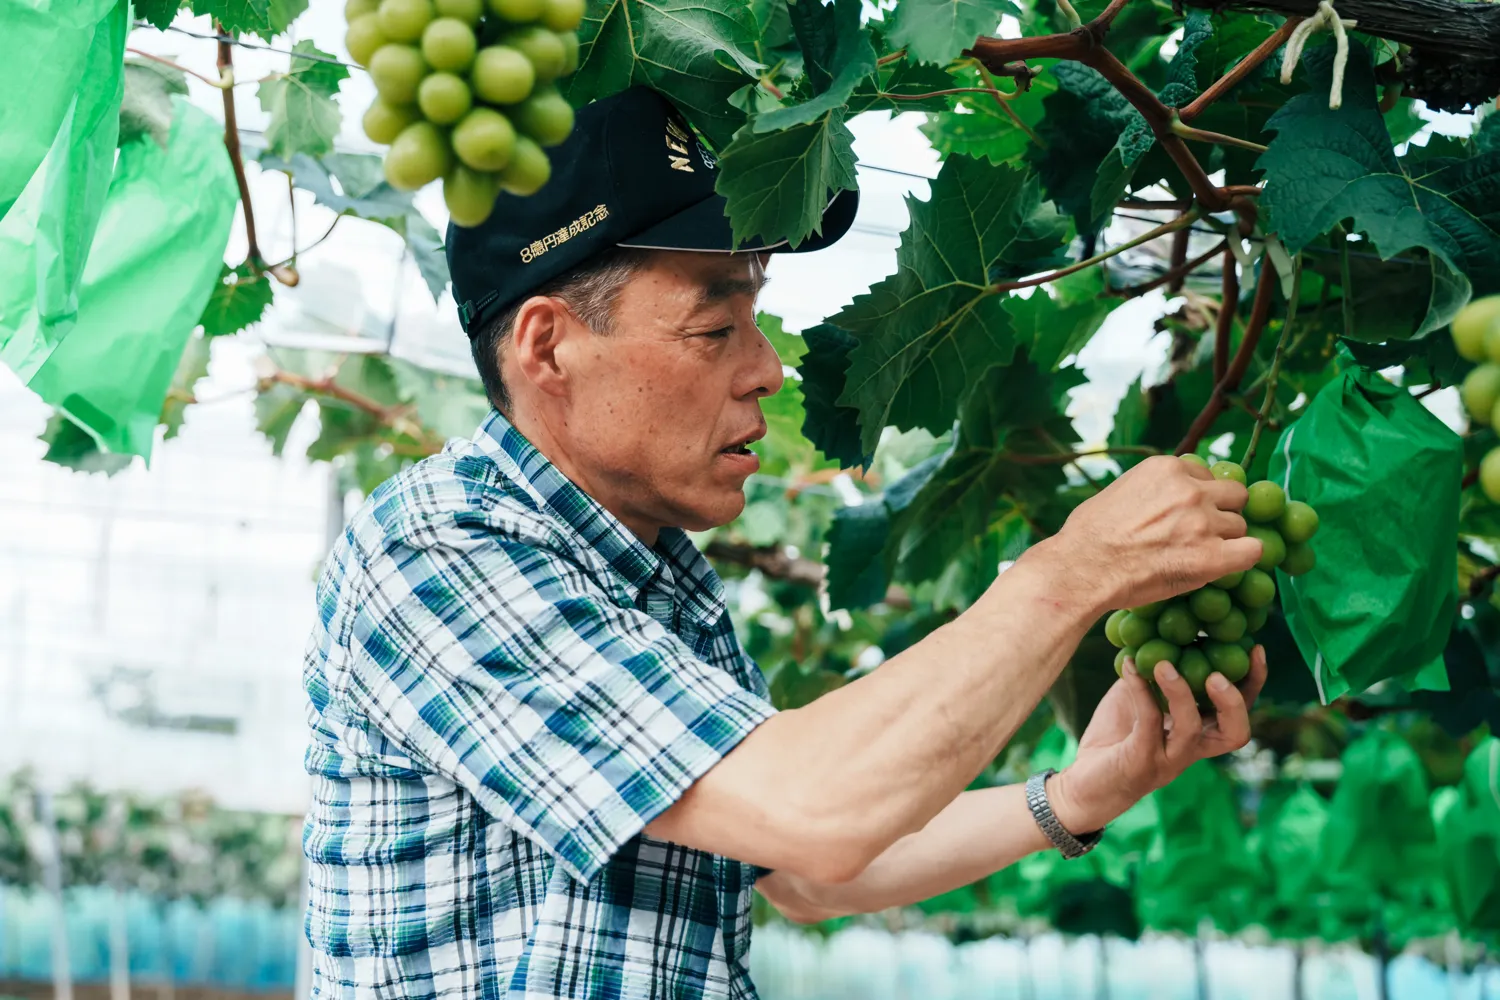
x=214, y=37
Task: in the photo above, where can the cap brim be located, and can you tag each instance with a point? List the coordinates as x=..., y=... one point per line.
x=704, y=227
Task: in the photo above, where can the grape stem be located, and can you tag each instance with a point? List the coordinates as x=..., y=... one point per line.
x=1242, y=69
x=1181, y=222
x=1228, y=300
x=1260, y=311
x=232, y=144
x=224, y=81
x=1170, y=277
x=1281, y=342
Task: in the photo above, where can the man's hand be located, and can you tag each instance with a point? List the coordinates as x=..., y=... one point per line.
x=1163, y=528
x=1130, y=750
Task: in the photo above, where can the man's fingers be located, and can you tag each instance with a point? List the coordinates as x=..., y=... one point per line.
x=1187, y=724
x=1256, y=678
x=1198, y=471
x=1226, y=494
x=1228, y=524
x=1238, y=553
x=1147, y=714
x=1230, y=707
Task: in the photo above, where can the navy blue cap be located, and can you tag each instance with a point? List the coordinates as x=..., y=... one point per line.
x=630, y=175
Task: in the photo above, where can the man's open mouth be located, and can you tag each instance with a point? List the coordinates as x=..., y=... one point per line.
x=736, y=449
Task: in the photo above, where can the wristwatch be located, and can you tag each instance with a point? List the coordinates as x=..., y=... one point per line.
x=1071, y=845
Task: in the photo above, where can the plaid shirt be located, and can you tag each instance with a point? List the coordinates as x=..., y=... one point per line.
x=505, y=687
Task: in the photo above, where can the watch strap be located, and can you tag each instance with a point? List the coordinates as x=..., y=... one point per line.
x=1071, y=845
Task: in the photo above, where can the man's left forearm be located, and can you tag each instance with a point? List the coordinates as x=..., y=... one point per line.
x=979, y=832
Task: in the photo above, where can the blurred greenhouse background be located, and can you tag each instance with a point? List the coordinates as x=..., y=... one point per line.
x=151, y=712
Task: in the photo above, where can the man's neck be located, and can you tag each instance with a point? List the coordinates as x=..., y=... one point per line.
x=538, y=431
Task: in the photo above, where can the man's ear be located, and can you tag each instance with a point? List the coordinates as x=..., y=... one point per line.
x=543, y=325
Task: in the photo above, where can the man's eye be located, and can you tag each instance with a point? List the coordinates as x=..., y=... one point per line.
x=720, y=333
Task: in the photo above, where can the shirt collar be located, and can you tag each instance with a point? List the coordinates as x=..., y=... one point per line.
x=633, y=564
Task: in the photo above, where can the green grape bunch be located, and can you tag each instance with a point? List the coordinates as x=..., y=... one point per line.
x=1476, y=335
x=1212, y=629
x=467, y=92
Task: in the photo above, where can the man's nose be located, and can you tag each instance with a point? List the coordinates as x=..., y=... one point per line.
x=767, y=371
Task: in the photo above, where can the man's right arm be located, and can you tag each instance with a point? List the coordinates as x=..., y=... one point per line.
x=822, y=790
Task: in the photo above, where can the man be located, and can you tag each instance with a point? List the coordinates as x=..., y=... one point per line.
x=544, y=767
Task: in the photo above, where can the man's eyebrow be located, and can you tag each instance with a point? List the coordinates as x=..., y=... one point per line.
x=718, y=289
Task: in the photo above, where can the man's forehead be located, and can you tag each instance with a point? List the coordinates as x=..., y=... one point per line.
x=719, y=276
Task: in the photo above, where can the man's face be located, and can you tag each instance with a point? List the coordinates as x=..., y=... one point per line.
x=662, y=408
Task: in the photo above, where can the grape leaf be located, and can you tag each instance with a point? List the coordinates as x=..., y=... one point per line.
x=696, y=52
x=857, y=576
x=450, y=405
x=354, y=184
x=157, y=13
x=276, y=409
x=238, y=300
x=1016, y=411
x=778, y=184
x=1129, y=424
x=239, y=17
x=908, y=80
x=928, y=333
x=1051, y=327
x=192, y=367
x=304, y=116
x=985, y=130
x=1084, y=121
x=146, y=102
x=282, y=13
x=936, y=31
x=833, y=428
x=836, y=56
x=70, y=445
x=1325, y=166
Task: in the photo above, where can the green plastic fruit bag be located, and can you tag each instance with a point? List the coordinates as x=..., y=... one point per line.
x=150, y=272
x=64, y=76
x=1198, y=866
x=1379, y=832
x=1467, y=819
x=1384, y=475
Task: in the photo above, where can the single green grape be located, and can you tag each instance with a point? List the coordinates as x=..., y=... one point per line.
x=1265, y=502
x=1229, y=659
x=1228, y=470
x=1272, y=547
x=397, y=71
x=1471, y=324
x=1229, y=580
x=484, y=140
x=1194, y=458
x=444, y=98
x=467, y=11
x=1136, y=631
x=570, y=51
x=1229, y=628
x=1195, y=669
x=1299, y=559
x=448, y=44
x=403, y=20
x=1127, y=653
x=1176, y=624
x=1489, y=474
x=419, y=156
x=1112, y=628
x=383, y=122
x=1210, y=604
x=1255, y=618
x=546, y=116
x=542, y=47
x=355, y=9
x=501, y=75
x=1153, y=652
x=1246, y=642
x=518, y=11
x=1256, y=590
x=364, y=38
x=1298, y=523
x=1480, y=392
x=469, y=195
x=528, y=168
x=563, y=15
x=1148, y=610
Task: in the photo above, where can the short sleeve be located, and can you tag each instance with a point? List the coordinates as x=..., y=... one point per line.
x=503, y=666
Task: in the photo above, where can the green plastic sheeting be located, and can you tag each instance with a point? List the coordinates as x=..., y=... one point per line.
x=152, y=267
x=1468, y=830
x=48, y=46
x=1199, y=866
x=1384, y=475
x=63, y=76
